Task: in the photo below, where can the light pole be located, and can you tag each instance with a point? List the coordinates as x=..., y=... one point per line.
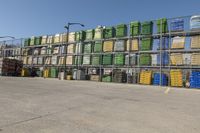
x=67, y=39
x=7, y=37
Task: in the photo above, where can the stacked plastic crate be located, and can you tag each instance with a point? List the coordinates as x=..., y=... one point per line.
x=87, y=51
x=160, y=79
x=145, y=77
x=119, y=76
x=195, y=79
x=177, y=25
x=121, y=30
x=119, y=59
x=145, y=59
x=176, y=77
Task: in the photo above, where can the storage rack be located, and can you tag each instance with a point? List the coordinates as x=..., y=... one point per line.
x=137, y=68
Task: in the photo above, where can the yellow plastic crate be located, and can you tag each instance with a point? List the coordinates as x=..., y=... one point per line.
x=176, y=59
x=176, y=78
x=195, y=59
x=134, y=46
x=178, y=43
x=70, y=48
x=108, y=46
x=195, y=42
x=69, y=60
x=46, y=73
x=145, y=77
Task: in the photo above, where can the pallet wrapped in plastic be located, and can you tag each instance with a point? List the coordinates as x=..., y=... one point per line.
x=187, y=59
x=87, y=48
x=56, y=50
x=132, y=45
x=145, y=77
x=98, y=33
x=178, y=43
x=78, y=60
x=50, y=39
x=108, y=46
x=79, y=75
x=109, y=32
x=195, y=42
x=44, y=40
x=30, y=60
x=119, y=59
x=40, y=60
x=119, y=76
x=96, y=59
x=176, y=78
x=54, y=60
x=135, y=28
x=43, y=51
x=80, y=36
x=79, y=48
x=63, y=38
x=131, y=59
x=54, y=72
x=36, y=51
x=25, y=60
x=147, y=28
x=107, y=59
x=145, y=59
x=121, y=30
x=165, y=43
x=48, y=61
x=176, y=59
x=61, y=61
x=146, y=44
x=32, y=41
x=35, y=60
x=195, y=59
x=119, y=45
x=89, y=34
x=106, y=78
x=94, y=77
x=154, y=59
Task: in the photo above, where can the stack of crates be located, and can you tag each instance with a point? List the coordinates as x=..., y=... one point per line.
x=27, y=42
x=178, y=43
x=98, y=33
x=96, y=60
x=135, y=28
x=119, y=59
x=72, y=37
x=132, y=45
x=50, y=39
x=44, y=40
x=119, y=76
x=176, y=77
x=160, y=79
x=43, y=51
x=162, y=25
x=97, y=47
x=107, y=59
x=78, y=60
x=79, y=48
x=145, y=59
x=195, y=59
x=38, y=40
x=187, y=59
x=154, y=60
x=195, y=79
x=35, y=60
x=146, y=44
x=165, y=43
x=89, y=34
x=46, y=73
x=69, y=60
x=61, y=61
x=63, y=38
x=195, y=42
x=87, y=48
x=48, y=61
x=94, y=78
x=131, y=59
x=54, y=72
x=70, y=48
x=119, y=46
x=80, y=36
x=121, y=30
x=54, y=60
x=32, y=41
x=164, y=59
x=109, y=32
x=108, y=46
x=56, y=38
x=106, y=78
x=176, y=59
x=147, y=28
x=145, y=77
x=86, y=59
x=177, y=25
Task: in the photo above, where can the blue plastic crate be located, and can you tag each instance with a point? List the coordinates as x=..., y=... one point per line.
x=156, y=80
x=177, y=25
x=165, y=43
x=195, y=79
x=165, y=59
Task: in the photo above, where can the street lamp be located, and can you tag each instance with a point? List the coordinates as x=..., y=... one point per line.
x=68, y=29
x=7, y=37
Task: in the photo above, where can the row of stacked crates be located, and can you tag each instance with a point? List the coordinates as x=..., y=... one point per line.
x=121, y=30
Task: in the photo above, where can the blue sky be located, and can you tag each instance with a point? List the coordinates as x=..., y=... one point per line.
x=25, y=18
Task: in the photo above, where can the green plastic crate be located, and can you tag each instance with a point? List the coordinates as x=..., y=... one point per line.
x=80, y=36
x=145, y=59
x=78, y=60
x=54, y=73
x=107, y=59
x=27, y=42
x=32, y=41
x=146, y=44
x=121, y=30
x=98, y=47
x=135, y=28
x=96, y=59
x=147, y=28
x=87, y=48
x=89, y=34
x=119, y=59
x=38, y=40
x=109, y=32
x=106, y=78
x=162, y=25
x=86, y=60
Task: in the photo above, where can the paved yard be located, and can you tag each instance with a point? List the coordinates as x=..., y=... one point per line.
x=51, y=106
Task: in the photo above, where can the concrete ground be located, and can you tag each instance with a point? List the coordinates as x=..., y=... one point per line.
x=50, y=106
